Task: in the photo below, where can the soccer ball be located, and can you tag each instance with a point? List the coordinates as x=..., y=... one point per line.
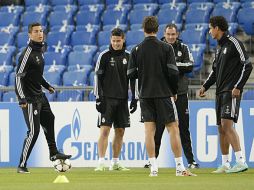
x=62, y=165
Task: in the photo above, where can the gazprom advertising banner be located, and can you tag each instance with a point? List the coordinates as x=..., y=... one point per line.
x=77, y=134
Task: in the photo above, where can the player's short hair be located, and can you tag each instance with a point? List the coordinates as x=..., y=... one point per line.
x=117, y=32
x=170, y=26
x=150, y=24
x=219, y=21
x=30, y=26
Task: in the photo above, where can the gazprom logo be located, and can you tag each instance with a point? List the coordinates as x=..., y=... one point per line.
x=76, y=124
x=67, y=131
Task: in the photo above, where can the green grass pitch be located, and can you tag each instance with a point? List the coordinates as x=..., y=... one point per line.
x=136, y=179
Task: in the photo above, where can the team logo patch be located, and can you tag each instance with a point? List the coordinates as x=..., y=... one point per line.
x=37, y=59
x=179, y=53
x=225, y=51
x=227, y=110
x=112, y=61
x=35, y=112
x=124, y=61
x=103, y=120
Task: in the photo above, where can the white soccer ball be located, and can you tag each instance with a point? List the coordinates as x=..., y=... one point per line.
x=62, y=165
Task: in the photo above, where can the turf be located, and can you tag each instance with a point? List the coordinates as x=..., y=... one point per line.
x=136, y=179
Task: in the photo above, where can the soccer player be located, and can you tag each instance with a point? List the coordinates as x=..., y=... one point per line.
x=111, y=91
x=184, y=62
x=230, y=71
x=153, y=63
x=35, y=106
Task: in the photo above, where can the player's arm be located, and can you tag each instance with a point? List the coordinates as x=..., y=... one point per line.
x=173, y=72
x=46, y=85
x=23, y=65
x=132, y=71
x=246, y=66
x=186, y=65
x=98, y=87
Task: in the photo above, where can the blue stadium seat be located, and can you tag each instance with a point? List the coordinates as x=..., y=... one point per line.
x=87, y=17
x=75, y=78
x=80, y=58
x=56, y=38
x=153, y=7
x=11, y=30
x=228, y=13
x=4, y=74
x=198, y=55
x=104, y=38
x=53, y=58
x=197, y=36
x=206, y=6
x=197, y=26
x=11, y=80
x=219, y=1
x=45, y=9
x=102, y=48
x=91, y=96
x=134, y=37
x=143, y=1
x=166, y=16
x=197, y=16
x=6, y=55
x=60, y=18
x=65, y=28
x=235, y=6
x=96, y=8
x=246, y=21
x=136, y=27
x=70, y=96
x=137, y=16
x=248, y=95
x=89, y=2
x=198, y=1
x=111, y=16
x=10, y=97
x=9, y=19
x=249, y=4
x=54, y=68
x=180, y=7
x=61, y=2
x=91, y=78
x=124, y=27
x=72, y=9
x=35, y=2
x=169, y=1
x=6, y=39
x=110, y=2
x=22, y=39
x=12, y=9
x=83, y=38
x=88, y=28
x=83, y=68
x=30, y=17
x=53, y=78
x=91, y=49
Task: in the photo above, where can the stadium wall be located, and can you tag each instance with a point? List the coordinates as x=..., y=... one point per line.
x=77, y=134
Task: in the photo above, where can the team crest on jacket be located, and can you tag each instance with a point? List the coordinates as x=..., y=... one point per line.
x=37, y=59
x=179, y=53
x=124, y=61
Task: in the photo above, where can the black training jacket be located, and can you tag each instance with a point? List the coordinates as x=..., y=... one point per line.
x=231, y=67
x=149, y=62
x=184, y=62
x=29, y=75
x=111, y=74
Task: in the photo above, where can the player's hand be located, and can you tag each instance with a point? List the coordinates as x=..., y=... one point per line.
x=133, y=105
x=236, y=93
x=202, y=92
x=23, y=105
x=51, y=90
x=174, y=97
